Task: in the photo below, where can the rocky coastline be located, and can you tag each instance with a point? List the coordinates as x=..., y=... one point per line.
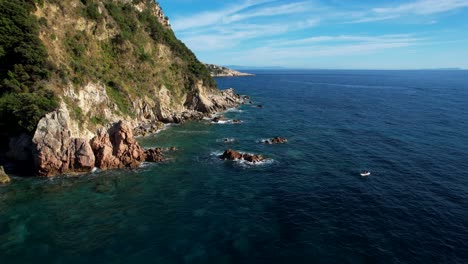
x=220, y=71
x=56, y=147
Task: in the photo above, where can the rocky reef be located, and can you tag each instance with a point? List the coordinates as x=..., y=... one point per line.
x=230, y=154
x=275, y=140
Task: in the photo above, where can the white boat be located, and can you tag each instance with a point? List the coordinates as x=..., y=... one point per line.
x=365, y=173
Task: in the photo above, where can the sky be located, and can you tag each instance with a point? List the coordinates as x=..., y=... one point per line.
x=325, y=34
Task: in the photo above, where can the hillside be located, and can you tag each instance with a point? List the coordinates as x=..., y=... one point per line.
x=94, y=63
x=220, y=71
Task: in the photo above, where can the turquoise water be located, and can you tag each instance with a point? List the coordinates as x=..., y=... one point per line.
x=306, y=204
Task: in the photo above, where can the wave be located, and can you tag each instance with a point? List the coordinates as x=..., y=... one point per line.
x=226, y=140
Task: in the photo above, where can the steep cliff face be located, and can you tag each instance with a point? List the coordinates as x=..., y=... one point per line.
x=104, y=61
x=118, y=60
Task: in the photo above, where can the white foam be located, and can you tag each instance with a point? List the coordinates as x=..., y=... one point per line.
x=247, y=164
x=226, y=140
x=223, y=122
x=234, y=109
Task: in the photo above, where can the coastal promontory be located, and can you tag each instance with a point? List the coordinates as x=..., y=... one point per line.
x=221, y=71
x=78, y=76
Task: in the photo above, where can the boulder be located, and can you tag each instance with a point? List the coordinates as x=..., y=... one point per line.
x=4, y=179
x=154, y=155
x=236, y=121
x=83, y=156
x=231, y=155
x=252, y=158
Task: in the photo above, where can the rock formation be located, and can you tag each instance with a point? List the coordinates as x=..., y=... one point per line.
x=56, y=151
x=4, y=179
x=235, y=155
x=85, y=47
x=117, y=148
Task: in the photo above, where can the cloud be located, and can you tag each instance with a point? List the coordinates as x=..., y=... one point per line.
x=212, y=17
x=423, y=7
x=324, y=47
x=222, y=37
x=285, y=9
x=333, y=40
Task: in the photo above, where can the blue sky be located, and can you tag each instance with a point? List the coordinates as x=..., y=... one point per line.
x=331, y=34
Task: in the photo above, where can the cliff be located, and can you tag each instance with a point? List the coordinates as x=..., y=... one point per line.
x=79, y=65
x=220, y=71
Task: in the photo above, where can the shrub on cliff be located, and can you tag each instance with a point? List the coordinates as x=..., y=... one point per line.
x=23, y=66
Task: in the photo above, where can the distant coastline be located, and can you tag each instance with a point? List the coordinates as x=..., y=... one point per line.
x=220, y=71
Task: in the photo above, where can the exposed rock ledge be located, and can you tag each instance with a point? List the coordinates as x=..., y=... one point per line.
x=58, y=150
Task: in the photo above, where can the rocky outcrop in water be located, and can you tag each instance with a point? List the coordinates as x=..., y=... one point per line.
x=4, y=179
x=117, y=148
x=56, y=151
x=276, y=140
x=235, y=155
x=154, y=155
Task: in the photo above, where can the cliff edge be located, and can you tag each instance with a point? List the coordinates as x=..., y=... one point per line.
x=72, y=68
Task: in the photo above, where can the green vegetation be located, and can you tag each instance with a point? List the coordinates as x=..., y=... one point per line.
x=23, y=69
x=141, y=56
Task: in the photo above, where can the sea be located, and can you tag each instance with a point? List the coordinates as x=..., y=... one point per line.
x=306, y=203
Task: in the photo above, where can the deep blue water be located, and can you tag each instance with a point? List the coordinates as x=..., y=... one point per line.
x=308, y=204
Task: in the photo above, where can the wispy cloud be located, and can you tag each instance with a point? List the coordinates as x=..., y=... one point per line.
x=285, y=9
x=423, y=7
x=420, y=7
x=213, y=17
x=271, y=32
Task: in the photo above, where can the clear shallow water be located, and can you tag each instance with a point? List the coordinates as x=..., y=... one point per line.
x=307, y=205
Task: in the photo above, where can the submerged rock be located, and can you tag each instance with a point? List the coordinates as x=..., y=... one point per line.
x=275, y=140
x=236, y=121
x=4, y=179
x=235, y=155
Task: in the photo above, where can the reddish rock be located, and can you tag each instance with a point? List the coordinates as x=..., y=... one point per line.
x=83, y=159
x=252, y=158
x=117, y=148
x=154, y=155
x=103, y=150
x=231, y=155
x=235, y=155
